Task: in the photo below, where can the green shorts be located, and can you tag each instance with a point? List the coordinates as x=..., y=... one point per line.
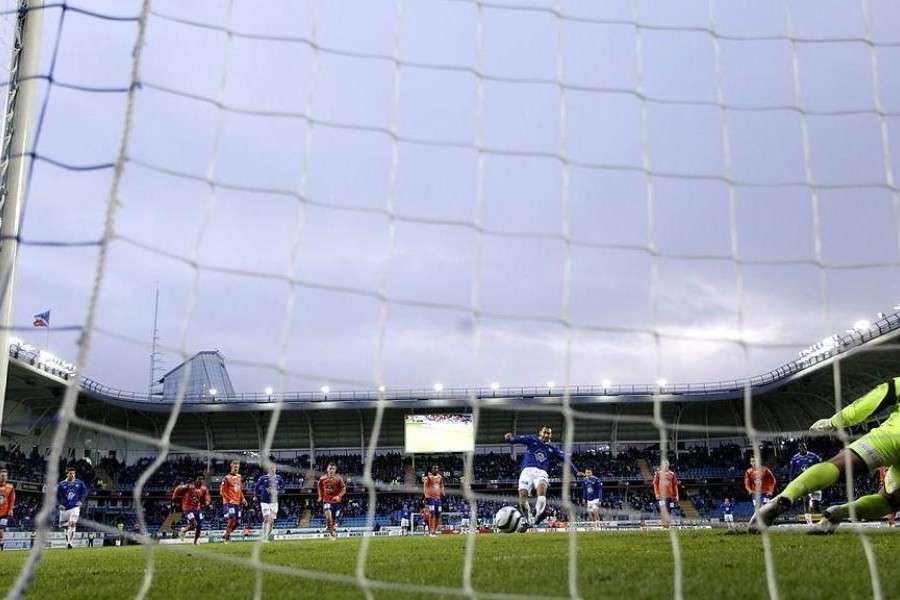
x=878, y=448
x=892, y=480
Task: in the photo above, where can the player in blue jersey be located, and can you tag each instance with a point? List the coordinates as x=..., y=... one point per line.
x=800, y=462
x=728, y=512
x=593, y=494
x=405, y=520
x=268, y=488
x=70, y=495
x=535, y=464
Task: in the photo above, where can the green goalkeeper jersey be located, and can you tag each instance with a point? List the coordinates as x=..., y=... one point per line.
x=880, y=398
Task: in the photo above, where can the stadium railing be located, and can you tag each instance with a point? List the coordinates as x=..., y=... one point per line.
x=844, y=342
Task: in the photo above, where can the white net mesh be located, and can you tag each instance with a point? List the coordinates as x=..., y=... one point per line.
x=380, y=196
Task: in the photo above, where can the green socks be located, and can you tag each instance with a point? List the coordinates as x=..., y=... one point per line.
x=815, y=478
x=869, y=508
x=821, y=476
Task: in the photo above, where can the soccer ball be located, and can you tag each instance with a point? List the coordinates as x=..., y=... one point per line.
x=507, y=519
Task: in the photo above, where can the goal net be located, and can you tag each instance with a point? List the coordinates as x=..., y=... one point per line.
x=601, y=217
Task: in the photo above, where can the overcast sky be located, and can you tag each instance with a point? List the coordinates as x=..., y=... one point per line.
x=466, y=193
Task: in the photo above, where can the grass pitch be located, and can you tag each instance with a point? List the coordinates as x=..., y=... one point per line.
x=716, y=564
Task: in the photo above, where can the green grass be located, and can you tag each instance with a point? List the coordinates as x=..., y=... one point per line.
x=716, y=564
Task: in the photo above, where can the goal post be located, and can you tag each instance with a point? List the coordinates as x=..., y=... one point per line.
x=17, y=139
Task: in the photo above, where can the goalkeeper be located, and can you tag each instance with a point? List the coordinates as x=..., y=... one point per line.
x=879, y=447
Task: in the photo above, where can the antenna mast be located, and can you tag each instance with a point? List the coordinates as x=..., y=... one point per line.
x=155, y=360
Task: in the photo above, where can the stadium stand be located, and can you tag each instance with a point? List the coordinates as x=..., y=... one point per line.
x=708, y=476
x=313, y=431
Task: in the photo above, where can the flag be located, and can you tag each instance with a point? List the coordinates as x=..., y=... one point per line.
x=42, y=319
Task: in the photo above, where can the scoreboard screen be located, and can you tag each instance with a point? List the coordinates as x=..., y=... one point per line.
x=439, y=433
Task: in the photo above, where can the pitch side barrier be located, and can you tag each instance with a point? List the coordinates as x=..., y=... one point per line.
x=23, y=540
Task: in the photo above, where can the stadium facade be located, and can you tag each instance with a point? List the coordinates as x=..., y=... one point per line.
x=203, y=374
x=779, y=403
x=123, y=429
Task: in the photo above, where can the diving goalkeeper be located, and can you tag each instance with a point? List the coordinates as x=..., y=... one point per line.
x=879, y=447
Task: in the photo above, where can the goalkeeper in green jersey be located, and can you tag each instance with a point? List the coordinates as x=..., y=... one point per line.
x=880, y=447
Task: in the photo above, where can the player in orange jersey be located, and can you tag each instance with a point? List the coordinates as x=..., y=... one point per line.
x=759, y=483
x=425, y=515
x=194, y=498
x=434, y=491
x=7, y=503
x=331, y=494
x=882, y=474
x=665, y=488
x=232, y=491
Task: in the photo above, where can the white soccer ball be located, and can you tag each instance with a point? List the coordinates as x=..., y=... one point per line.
x=507, y=519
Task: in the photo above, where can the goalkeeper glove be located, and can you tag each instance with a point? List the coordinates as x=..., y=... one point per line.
x=822, y=425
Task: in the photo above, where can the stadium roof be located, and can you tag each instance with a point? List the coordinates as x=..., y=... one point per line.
x=783, y=402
